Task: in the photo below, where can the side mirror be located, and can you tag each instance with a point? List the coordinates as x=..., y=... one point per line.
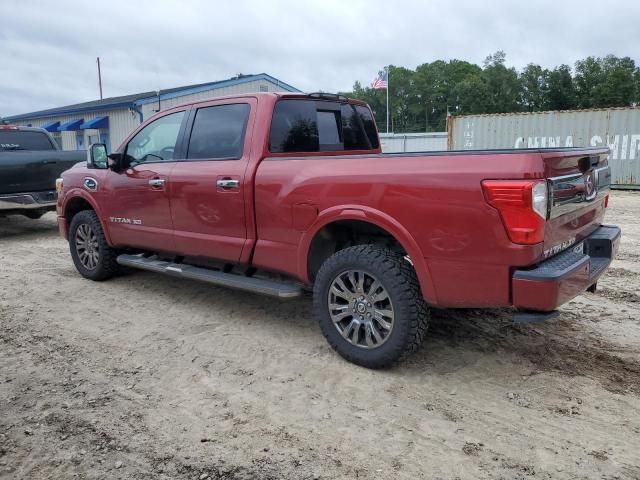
x=97, y=156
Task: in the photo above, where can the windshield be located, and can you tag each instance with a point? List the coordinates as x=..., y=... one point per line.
x=24, y=140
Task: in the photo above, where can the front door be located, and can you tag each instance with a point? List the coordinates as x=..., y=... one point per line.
x=208, y=189
x=138, y=210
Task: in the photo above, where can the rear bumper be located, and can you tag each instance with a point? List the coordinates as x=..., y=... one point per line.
x=566, y=275
x=28, y=201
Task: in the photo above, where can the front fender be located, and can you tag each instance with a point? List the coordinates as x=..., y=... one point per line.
x=379, y=219
x=76, y=192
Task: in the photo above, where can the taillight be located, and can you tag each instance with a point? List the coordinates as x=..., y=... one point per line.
x=522, y=205
x=606, y=201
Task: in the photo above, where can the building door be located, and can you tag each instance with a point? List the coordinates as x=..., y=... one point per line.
x=138, y=213
x=208, y=190
x=80, y=140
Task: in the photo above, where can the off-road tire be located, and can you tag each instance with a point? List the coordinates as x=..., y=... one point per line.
x=401, y=283
x=106, y=266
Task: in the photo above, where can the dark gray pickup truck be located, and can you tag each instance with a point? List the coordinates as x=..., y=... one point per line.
x=30, y=163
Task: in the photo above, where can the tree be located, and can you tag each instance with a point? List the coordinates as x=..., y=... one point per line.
x=420, y=99
x=437, y=84
x=561, y=92
x=502, y=85
x=606, y=82
x=402, y=96
x=534, y=81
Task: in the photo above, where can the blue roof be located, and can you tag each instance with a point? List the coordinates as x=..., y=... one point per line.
x=51, y=126
x=148, y=97
x=73, y=125
x=97, y=123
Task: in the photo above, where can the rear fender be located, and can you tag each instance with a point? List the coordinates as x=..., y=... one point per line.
x=381, y=220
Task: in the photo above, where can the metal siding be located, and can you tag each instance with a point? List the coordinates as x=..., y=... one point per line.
x=619, y=128
x=121, y=123
x=413, y=142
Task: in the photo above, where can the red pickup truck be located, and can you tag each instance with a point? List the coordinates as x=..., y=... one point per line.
x=278, y=193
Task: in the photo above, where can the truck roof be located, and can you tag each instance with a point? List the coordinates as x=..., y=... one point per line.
x=276, y=95
x=21, y=128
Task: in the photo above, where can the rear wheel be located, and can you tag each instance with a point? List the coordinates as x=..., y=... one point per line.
x=93, y=257
x=369, y=305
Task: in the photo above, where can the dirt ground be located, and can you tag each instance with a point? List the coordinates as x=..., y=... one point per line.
x=147, y=376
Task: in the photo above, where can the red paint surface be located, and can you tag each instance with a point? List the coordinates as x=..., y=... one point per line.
x=432, y=204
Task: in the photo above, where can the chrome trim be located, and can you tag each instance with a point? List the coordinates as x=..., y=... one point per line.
x=228, y=183
x=23, y=201
x=571, y=192
x=157, y=182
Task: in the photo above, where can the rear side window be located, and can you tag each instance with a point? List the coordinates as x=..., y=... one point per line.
x=369, y=124
x=24, y=140
x=320, y=126
x=218, y=132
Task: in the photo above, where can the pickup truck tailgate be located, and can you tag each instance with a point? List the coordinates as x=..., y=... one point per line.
x=577, y=248
x=578, y=189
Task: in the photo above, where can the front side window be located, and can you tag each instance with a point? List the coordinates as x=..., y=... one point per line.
x=157, y=141
x=218, y=132
x=320, y=126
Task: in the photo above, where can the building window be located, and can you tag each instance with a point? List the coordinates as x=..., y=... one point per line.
x=264, y=88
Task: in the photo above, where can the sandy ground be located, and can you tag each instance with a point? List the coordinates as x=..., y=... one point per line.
x=146, y=376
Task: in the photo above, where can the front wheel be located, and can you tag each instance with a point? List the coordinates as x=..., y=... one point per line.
x=93, y=257
x=368, y=302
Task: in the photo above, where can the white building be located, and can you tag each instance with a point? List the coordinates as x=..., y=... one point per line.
x=111, y=120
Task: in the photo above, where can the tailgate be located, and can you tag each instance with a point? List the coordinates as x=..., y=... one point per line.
x=24, y=171
x=578, y=183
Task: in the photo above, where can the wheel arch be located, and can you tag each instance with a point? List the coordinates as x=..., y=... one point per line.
x=378, y=222
x=77, y=201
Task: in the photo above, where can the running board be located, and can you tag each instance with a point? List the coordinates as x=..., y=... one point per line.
x=271, y=288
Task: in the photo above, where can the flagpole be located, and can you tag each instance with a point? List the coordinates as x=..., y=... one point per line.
x=387, y=99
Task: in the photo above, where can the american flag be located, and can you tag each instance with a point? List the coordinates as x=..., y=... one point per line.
x=381, y=81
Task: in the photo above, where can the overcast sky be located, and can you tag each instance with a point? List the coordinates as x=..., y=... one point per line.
x=48, y=49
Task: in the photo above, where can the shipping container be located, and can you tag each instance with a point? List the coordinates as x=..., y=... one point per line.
x=413, y=142
x=617, y=128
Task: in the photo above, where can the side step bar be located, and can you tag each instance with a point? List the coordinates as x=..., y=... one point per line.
x=271, y=288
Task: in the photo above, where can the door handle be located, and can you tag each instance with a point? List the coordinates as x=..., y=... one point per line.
x=157, y=182
x=228, y=183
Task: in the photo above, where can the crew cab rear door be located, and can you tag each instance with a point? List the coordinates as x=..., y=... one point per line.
x=137, y=207
x=208, y=187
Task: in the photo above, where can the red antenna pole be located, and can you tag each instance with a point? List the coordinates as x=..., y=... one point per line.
x=99, y=78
